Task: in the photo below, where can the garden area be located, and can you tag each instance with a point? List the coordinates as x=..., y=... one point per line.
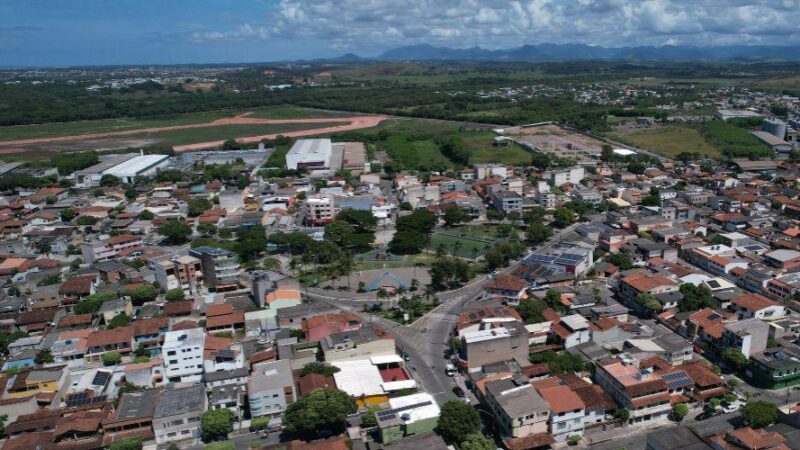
x=469, y=241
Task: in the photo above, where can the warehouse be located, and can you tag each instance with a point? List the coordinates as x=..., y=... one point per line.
x=140, y=166
x=312, y=154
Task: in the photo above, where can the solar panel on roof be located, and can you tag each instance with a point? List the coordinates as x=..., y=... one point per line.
x=679, y=383
x=101, y=378
x=713, y=316
x=84, y=398
x=714, y=284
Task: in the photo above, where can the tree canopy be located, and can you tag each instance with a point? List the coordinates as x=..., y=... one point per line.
x=458, y=420
x=216, y=423
x=176, y=231
x=325, y=409
x=760, y=414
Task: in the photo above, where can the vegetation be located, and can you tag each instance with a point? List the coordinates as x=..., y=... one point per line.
x=624, y=262
x=319, y=368
x=734, y=140
x=129, y=443
x=141, y=294
x=325, y=409
x=458, y=421
x=413, y=232
x=734, y=359
x=176, y=231
x=696, y=298
x=559, y=362
x=91, y=304
x=760, y=414
x=679, y=411
x=111, y=358
x=477, y=442
x=120, y=320
x=216, y=423
x=669, y=141
x=174, y=295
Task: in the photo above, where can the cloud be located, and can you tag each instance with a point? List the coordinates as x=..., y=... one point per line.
x=365, y=25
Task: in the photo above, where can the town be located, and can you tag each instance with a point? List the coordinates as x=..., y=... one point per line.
x=314, y=293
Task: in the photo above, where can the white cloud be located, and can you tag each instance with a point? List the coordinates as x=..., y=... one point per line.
x=373, y=25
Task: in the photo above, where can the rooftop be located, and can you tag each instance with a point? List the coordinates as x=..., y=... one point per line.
x=180, y=400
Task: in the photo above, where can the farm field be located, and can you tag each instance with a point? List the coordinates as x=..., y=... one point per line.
x=668, y=141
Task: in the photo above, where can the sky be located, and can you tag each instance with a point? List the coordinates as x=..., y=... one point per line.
x=97, y=32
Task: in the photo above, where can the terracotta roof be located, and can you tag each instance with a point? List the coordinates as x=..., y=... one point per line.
x=71, y=321
x=283, y=294
x=80, y=285
x=474, y=316
x=756, y=439
x=507, y=283
x=314, y=382
x=529, y=442
x=753, y=302
x=607, y=323
x=225, y=320
x=184, y=325
x=594, y=397
x=122, y=238
x=143, y=327
x=562, y=399
x=701, y=374
x=322, y=319
x=178, y=307
x=218, y=310
x=650, y=399
x=644, y=283
x=101, y=338
x=42, y=316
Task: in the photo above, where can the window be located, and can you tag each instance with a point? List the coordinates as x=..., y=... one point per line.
x=561, y=425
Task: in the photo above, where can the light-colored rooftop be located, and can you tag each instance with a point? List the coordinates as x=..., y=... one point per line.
x=358, y=378
x=135, y=166
x=486, y=335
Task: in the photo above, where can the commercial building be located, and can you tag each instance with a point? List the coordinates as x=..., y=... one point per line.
x=91, y=176
x=781, y=147
x=221, y=269
x=645, y=395
x=177, y=413
x=725, y=114
x=777, y=368
x=183, y=355
x=139, y=166
x=311, y=154
x=494, y=344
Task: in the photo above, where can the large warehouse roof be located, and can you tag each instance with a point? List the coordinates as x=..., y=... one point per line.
x=135, y=166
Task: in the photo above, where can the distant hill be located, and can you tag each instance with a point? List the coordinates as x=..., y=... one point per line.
x=583, y=52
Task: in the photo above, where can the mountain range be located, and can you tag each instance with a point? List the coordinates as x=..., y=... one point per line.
x=583, y=52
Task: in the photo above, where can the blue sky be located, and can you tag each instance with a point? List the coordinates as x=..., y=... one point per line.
x=85, y=32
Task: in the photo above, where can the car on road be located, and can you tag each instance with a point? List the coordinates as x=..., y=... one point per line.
x=707, y=414
x=459, y=392
x=450, y=370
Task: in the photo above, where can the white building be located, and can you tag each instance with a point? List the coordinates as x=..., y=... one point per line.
x=573, y=176
x=310, y=154
x=140, y=166
x=183, y=355
x=269, y=387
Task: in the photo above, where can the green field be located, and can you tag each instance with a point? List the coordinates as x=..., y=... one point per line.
x=668, y=141
x=481, y=143
x=223, y=132
x=103, y=126
x=469, y=241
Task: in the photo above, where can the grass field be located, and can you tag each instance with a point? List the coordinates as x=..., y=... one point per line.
x=223, y=132
x=101, y=126
x=466, y=241
x=668, y=141
x=481, y=143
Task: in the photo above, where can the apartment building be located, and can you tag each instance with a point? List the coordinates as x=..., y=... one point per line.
x=177, y=413
x=183, y=272
x=518, y=409
x=271, y=388
x=492, y=345
x=749, y=336
x=567, y=410
x=221, y=269
x=183, y=355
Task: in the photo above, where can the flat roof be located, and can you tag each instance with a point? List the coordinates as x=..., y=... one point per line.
x=769, y=138
x=174, y=400
x=486, y=335
x=135, y=166
x=358, y=378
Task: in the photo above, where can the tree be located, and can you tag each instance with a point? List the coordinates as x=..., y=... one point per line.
x=174, y=295
x=458, y=420
x=216, y=423
x=696, y=297
x=197, y=206
x=120, y=320
x=760, y=414
x=109, y=180
x=146, y=214
x=494, y=215
x=219, y=445
x=531, y=310
x=734, y=359
x=622, y=414
x=131, y=193
x=607, y=153
x=636, y=167
x=537, y=233
x=319, y=368
x=650, y=304
x=128, y=443
x=363, y=221
x=325, y=409
x=540, y=160
x=623, y=261
x=679, y=411
x=407, y=242
x=477, y=442
x=453, y=216
x=176, y=231
x=563, y=217
x=714, y=403
x=448, y=273
x=44, y=357
x=67, y=214
x=141, y=294
x=111, y=358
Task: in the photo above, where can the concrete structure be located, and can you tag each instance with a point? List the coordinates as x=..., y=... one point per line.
x=183, y=272
x=645, y=395
x=183, y=355
x=572, y=176
x=139, y=166
x=91, y=176
x=311, y=154
x=177, y=413
x=221, y=270
x=775, y=127
x=518, y=409
x=271, y=388
x=781, y=147
x=567, y=411
x=725, y=114
x=364, y=343
x=493, y=345
x=749, y=336
x=407, y=415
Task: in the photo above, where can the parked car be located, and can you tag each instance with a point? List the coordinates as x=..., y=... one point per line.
x=731, y=407
x=706, y=414
x=459, y=392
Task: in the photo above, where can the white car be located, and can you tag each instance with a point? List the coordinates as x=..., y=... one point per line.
x=731, y=408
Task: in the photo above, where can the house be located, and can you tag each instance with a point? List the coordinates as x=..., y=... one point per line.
x=507, y=288
x=757, y=306
x=644, y=394
x=149, y=333
x=632, y=285
x=571, y=330
x=270, y=389
x=100, y=342
x=567, y=410
x=369, y=382
x=177, y=413
x=748, y=439
x=224, y=318
x=320, y=326
x=407, y=415
x=783, y=258
x=133, y=417
x=777, y=368
x=363, y=343
x=519, y=410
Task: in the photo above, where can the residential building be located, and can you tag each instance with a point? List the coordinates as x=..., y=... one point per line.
x=221, y=269
x=407, y=415
x=182, y=272
x=271, y=389
x=177, y=413
x=567, y=410
x=645, y=395
x=494, y=344
x=777, y=368
x=518, y=409
x=748, y=336
x=183, y=355
x=757, y=306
